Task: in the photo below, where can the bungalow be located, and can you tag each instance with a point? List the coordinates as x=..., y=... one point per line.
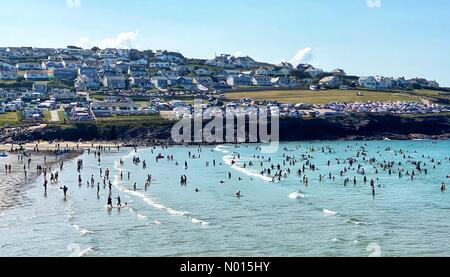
x=261, y=80
x=41, y=88
x=122, y=67
x=181, y=68
x=172, y=57
x=307, y=82
x=331, y=82
x=141, y=82
x=65, y=74
x=239, y=80
x=114, y=82
x=73, y=64
x=368, y=82
x=173, y=75
x=186, y=82
x=28, y=66
x=87, y=83
x=204, y=80
x=9, y=75
x=433, y=84
x=36, y=75
x=384, y=83
x=32, y=95
x=203, y=72
x=281, y=81
x=284, y=71
x=140, y=62
x=88, y=71
x=159, y=65
x=7, y=67
x=52, y=65
x=63, y=94
x=160, y=82
x=8, y=94
x=313, y=72
x=338, y=72
x=137, y=71
x=264, y=71
x=244, y=62
x=107, y=108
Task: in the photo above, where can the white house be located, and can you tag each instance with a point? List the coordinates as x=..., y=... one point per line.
x=261, y=80
x=368, y=82
x=204, y=80
x=331, y=82
x=52, y=64
x=87, y=83
x=38, y=75
x=384, y=83
x=63, y=94
x=169, y=56
x=114, y=82
x=239, y=80
x=284, y=71
x=159, y=65
x=140, y=62
x=313, y=72
x=160, y=82
x=141, y=82
x=281, y=81
x=264, y=71
x=338, y=72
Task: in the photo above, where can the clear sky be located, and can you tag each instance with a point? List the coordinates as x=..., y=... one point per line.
x=408, y=38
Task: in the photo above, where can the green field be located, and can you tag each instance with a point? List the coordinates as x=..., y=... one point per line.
x=10, y=118
x=321, y=97
x=47, y=116
x=130, y=118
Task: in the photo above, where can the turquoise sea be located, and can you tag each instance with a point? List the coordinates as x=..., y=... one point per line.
x=407, y=217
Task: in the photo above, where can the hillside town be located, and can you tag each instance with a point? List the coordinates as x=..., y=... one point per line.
x=42, y=82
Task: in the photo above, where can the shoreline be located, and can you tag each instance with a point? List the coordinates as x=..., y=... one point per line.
x=16, y=180
x=52, y=146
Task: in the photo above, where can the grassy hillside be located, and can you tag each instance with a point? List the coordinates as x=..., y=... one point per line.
x=322, y=97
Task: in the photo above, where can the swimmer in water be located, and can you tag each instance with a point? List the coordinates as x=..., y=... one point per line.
x=238, y=194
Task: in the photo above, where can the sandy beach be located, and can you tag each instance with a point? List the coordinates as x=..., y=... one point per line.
x=60, y=145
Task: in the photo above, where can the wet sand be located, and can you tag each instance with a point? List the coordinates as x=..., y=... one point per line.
x=14, y=184
x=48, y=146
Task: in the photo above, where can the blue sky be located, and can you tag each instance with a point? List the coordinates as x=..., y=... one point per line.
x=401, y=38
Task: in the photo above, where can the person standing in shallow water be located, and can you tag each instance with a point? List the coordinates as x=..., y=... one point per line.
x=65, y=189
